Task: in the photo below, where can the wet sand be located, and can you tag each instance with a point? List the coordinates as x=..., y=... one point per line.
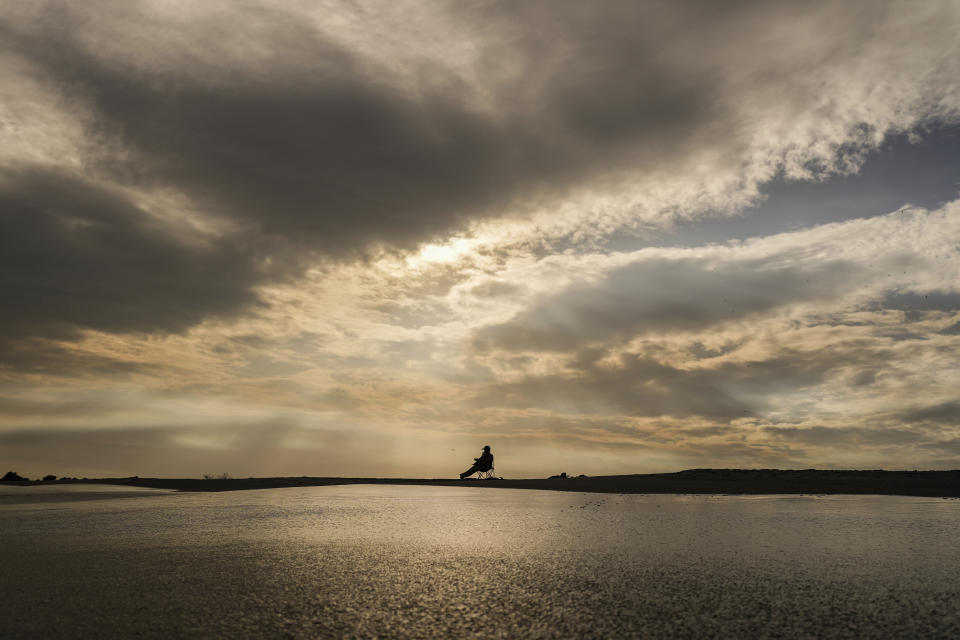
x=695, y=481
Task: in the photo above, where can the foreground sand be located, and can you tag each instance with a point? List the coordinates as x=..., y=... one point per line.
x=707, y=481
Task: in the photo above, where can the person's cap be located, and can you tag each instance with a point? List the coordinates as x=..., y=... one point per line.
x=486, y=447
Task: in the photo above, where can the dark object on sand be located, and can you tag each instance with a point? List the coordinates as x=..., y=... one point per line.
x=562, y=476
x=13, y=476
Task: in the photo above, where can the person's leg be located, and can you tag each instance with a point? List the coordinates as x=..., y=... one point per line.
x=469, y=472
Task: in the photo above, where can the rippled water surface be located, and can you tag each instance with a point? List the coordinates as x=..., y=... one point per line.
x=440, y=562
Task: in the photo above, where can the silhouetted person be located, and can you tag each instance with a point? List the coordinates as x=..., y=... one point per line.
x=483, y=463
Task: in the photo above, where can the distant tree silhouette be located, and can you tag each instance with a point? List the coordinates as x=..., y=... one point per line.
x=12, y=476
x=49, y=478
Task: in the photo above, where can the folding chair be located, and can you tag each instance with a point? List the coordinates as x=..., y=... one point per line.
x=486, y=475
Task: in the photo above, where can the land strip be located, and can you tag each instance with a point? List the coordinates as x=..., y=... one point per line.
x=693, y=481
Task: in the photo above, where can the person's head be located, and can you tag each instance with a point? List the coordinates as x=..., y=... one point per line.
x=486, y=447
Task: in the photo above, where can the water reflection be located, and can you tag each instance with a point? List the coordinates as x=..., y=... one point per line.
x=423, y=561
x=46, y=493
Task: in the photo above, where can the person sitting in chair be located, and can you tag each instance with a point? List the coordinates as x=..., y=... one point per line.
x=483, y=463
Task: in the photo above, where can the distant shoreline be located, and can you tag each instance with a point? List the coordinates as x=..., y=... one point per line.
x=693, y=481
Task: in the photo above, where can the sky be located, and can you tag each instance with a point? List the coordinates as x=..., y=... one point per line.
x=367, y=238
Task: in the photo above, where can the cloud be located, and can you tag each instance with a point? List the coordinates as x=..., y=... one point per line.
x=636, y=386
x=386, y=218
x=164, y=450
x=664, y=295
x=264, y=135
x=364, y=136
x=319, y=146
x=31, y=355
x=804, y=276
x=847, y=436
x=279, y=445
x=917, y=303
x=952, y=330
x=945, y=413
x=77, y=256
x=845, y=319
x=755, y=377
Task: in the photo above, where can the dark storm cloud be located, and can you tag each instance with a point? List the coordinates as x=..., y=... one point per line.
x=323, y=148
x=663, y=295
x=945, y=413
x=74, y=255
x=340, y=165
x=279, y=125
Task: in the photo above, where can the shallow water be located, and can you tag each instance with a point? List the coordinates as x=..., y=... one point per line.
x=441, y=562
